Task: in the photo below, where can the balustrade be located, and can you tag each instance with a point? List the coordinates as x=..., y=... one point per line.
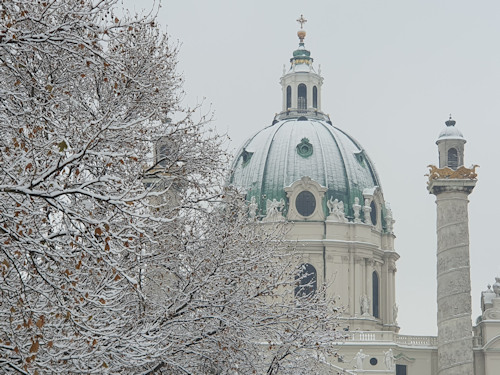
x=386, y=336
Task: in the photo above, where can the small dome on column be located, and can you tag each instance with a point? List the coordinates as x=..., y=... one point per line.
x=450, y=131
x=451, y=146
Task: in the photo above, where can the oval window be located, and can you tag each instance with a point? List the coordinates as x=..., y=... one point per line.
x=305, y=203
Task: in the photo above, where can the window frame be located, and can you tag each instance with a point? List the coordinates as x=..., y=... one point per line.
x=306, y=275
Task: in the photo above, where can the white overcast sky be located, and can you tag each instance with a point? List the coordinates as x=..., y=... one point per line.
x=394, y=70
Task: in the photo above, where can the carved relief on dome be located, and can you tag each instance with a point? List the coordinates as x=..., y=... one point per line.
x=274, y=210
x=337, y=211
x=304, y=148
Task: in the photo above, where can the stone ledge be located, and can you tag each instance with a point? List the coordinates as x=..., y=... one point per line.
x=442, y=185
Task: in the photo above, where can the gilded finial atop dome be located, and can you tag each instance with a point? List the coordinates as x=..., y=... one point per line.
x=301, y=33
x=301, y=56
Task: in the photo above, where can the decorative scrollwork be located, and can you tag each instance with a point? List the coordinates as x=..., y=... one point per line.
x=446, y=172
x=305, y=148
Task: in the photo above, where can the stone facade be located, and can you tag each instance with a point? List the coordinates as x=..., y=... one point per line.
x=344, y=230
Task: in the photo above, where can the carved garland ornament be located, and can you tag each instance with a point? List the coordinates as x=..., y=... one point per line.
x=448, y=173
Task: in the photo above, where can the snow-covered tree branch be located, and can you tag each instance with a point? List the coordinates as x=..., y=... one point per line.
x=120, y=249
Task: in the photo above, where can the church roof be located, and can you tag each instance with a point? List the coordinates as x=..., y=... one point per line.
x=292, y=148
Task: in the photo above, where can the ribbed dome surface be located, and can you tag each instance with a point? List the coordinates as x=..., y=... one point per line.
x=290, y=149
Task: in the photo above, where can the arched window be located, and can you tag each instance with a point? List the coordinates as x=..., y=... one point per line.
x=453, y=158
x=302, y=97
x=161, y=155
x=306, y=281
x=315, y=97
x=375, y=286
x=288, y=97
x=166, y=151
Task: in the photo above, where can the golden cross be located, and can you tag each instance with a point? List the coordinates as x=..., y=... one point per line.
x=302, y=21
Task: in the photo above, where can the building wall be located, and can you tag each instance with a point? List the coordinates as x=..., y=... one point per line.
x=345, y=256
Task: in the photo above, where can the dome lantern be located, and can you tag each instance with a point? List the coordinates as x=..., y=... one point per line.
x=301, y=85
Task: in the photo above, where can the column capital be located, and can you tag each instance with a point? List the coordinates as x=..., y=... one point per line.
x=444, y=185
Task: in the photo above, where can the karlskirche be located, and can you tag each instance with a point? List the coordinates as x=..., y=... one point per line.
x=305, y=170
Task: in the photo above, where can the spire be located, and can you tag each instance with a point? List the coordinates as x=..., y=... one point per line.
x=301, y=33
x=301, y=55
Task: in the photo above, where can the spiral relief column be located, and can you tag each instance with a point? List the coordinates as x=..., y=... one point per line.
x=451, y=184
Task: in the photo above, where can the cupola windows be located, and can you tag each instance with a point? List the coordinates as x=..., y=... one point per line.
x=301, y=84
x=288, y=98
x=302, y=97
x=453, y=158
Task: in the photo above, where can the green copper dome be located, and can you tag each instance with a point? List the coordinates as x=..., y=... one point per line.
x=292, y=148
x=302, y=144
